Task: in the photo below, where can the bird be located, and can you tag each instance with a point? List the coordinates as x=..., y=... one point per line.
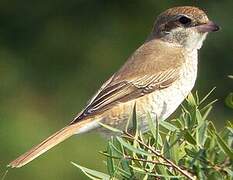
x=157, y=77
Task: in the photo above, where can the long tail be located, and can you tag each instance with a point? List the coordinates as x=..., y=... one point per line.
x=48, y=143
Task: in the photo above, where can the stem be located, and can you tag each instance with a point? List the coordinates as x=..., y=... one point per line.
x=138, y=159
x=149, y=161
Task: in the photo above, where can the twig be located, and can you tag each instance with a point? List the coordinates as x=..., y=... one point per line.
x=149, y=161
x=184, y=172
x=138, y=159
x=4, y=175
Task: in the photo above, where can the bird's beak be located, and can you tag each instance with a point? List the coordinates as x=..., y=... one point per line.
x=208, y=27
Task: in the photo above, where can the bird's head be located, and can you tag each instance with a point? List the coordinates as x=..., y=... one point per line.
x=186, y=26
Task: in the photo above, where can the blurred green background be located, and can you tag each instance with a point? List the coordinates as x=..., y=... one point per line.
x=55, y=54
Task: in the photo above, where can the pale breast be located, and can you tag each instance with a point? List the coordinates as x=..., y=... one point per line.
x=162, y=103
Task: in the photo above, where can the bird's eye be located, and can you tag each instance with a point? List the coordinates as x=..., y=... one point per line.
x=184, y=20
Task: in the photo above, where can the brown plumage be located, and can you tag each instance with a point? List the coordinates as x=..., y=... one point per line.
x=164, y=65
x=130, y=81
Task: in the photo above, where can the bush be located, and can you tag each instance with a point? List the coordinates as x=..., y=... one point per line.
x=188, y=147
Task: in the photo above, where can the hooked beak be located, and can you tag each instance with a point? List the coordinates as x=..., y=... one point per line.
x=208, y=27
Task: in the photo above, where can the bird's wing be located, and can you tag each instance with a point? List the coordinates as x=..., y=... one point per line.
x=123, y=87
x=127, y=90
x=150, y=68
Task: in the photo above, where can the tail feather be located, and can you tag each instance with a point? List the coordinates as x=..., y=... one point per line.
x=47, y=144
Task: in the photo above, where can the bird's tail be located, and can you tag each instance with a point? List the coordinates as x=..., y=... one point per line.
x=48, y=143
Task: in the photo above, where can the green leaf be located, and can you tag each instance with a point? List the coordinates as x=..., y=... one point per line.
x=208, y=105
x=132, y=123
x=174, y=147
x=126, y=167
x=196, y=156
x=211, y=127
x=190, y=141
x=123, y=173
x=154, y=128
x=215, y=176
x=178, y=123
x=224, y=146
x=149, y=164
x=168, y=126
x=116, y=151
x=207, y=112
x=145, y=177
x=190, y=152
x=201, y=133
x=201, y=174
x=229, y=100
x=197, y=98
x=95, y=175
x=162, y=170
x=134, y=120
x=229, y=124
x=133, y=149
x=198, y=116
x=110, y=161
x=207, y=95
x=191, y=100
x=166, y=149
x=228, y=170
x=189, y=137
x=210, y=142
x=110, y=128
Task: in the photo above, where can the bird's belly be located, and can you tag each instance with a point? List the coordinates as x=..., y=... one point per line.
x=162, y=103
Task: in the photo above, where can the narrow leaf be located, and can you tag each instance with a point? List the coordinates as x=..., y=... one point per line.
x=154, y=128
x=208, y=105
x=229, y=100
x=110, y=161
x=198, y=116
x=168, y=126
x=95, y=175
x=132, y=148
x=207, y=95
x=110, y=128
x=134, y=119
x=189, y=138
x=201, y=133
x=207, y=112
x=191, y=100
x=224, y=146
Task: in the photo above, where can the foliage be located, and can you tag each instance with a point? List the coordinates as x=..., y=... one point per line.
x=187, y=147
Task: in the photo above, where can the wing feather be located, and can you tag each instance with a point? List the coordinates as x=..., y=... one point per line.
x=126, y=91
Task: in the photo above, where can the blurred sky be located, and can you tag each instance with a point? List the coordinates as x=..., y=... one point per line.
x=55, y=54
